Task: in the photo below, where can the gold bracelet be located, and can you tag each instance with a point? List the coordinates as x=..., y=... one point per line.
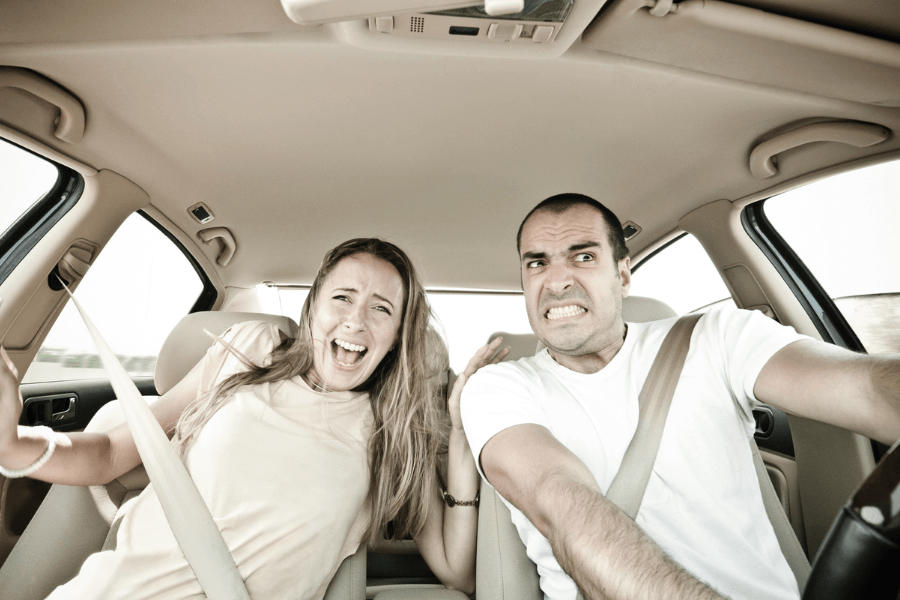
x=451, y=501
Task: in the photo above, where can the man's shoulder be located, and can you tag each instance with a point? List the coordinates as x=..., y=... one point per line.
x=512, y=369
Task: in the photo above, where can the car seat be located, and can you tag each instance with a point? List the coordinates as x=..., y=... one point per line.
x=73, y=522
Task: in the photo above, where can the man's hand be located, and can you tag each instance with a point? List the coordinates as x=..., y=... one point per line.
x=603, y=550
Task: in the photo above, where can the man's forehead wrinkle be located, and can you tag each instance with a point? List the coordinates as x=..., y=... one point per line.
x=567, y=235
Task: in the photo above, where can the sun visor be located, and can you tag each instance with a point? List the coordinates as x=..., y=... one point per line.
x=751, y=45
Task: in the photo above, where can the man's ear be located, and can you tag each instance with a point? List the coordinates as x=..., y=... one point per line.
x=625, y=275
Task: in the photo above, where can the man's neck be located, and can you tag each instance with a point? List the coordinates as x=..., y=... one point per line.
x=594, y=361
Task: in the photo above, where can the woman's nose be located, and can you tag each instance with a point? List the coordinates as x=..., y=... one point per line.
x=355, y=319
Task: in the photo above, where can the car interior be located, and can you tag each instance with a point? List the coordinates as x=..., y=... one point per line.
x=194, y=161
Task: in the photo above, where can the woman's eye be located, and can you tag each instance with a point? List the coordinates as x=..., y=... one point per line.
x=341, y=298
x=383, y=309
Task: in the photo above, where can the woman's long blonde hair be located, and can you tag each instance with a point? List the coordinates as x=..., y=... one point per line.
x=410, y=422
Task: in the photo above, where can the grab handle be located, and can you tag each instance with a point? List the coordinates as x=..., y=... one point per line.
x=70, y=125
x=763, y=158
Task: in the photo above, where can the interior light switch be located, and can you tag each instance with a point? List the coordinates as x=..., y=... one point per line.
x=384, y=24
x=504, y=31
x=542, y=33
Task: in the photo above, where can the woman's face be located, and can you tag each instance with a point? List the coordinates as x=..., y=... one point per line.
x=355, y=322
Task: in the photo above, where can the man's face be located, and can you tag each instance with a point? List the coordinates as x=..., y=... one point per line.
x=573, y=288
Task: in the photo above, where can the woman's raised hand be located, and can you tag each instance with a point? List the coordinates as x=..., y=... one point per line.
x=486, y=355
x=10, y=400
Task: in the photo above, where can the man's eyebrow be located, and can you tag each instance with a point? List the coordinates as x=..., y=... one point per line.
x=534, y=255
x=583, y=246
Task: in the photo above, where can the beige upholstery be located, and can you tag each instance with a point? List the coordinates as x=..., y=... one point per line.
x=417, y=594
x=73, y=522
x=520, y=344
x=187, y=343
x=639, y=309
x=503, y=570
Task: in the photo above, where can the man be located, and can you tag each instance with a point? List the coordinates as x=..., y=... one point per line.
x=549, y=431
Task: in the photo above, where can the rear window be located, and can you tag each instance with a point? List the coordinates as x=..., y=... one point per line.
x=465, y=319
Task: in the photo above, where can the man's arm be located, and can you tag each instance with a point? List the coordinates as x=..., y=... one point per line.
x=820, y=381
x=603, y=550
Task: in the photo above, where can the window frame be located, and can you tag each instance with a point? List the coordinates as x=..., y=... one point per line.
x=827, y=318
x=209, y=294
x=25, y=233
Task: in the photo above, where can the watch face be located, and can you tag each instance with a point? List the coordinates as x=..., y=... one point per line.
x=451, y=501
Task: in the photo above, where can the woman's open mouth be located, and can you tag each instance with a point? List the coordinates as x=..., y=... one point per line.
x=347, y=354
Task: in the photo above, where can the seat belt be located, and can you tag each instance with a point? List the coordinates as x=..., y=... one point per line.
x=628, y=486
x=187, y=513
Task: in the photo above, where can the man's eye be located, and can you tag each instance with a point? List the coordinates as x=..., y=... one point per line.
x=534, y=264
x=584, y=257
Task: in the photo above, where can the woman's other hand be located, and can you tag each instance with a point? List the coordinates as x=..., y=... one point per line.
x=10, y=400
x=486, y=355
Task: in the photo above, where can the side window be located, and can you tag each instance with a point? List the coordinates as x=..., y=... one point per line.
x=844, y=230
x=135, y=293
x=24, y=179
x=682, y=275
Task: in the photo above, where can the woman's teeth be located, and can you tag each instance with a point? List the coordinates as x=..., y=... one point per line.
x=561, y=312
x=349, y=346
x=347, y=354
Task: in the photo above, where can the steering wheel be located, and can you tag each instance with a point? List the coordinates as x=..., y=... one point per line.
x=860, y=557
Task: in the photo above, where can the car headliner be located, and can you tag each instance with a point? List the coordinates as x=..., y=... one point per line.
x=297, y=139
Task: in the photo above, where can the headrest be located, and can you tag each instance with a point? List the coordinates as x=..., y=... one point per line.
x=639, y=309
x=520, y=344
x=187, y=343
x=635, y=309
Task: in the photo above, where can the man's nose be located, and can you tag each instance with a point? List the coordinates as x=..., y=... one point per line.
x=559, y=276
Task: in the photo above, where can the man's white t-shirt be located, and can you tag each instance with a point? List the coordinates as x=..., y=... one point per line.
x=703, y=504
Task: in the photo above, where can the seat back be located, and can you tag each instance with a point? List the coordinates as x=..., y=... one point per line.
x=73, y=522
x=503, y=569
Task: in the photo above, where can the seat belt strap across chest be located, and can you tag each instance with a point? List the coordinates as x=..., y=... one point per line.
x=188, y=516
x=627, y=488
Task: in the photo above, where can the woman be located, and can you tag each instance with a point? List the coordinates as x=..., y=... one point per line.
x=302, y=448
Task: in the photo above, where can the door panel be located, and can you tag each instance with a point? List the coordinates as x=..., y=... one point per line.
x=782, y=471
x=20, y=498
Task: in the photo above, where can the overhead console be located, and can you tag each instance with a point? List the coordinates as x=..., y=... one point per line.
x=538, y=23
x=758, y=46
x=497, y=28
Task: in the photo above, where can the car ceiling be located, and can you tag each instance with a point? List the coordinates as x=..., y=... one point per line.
x=297, y=140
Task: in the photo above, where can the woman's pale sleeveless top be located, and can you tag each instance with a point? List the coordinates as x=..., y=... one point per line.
x=284, y=472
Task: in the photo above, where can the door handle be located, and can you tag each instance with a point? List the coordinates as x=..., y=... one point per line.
x=49, y=410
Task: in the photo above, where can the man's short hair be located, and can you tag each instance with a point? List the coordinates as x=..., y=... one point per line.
x=562, y=202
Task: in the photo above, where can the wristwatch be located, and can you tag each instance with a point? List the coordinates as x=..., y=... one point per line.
x=451, y=501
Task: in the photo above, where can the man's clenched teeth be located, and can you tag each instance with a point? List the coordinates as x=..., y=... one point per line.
x=347, y=354
x=561, y=312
